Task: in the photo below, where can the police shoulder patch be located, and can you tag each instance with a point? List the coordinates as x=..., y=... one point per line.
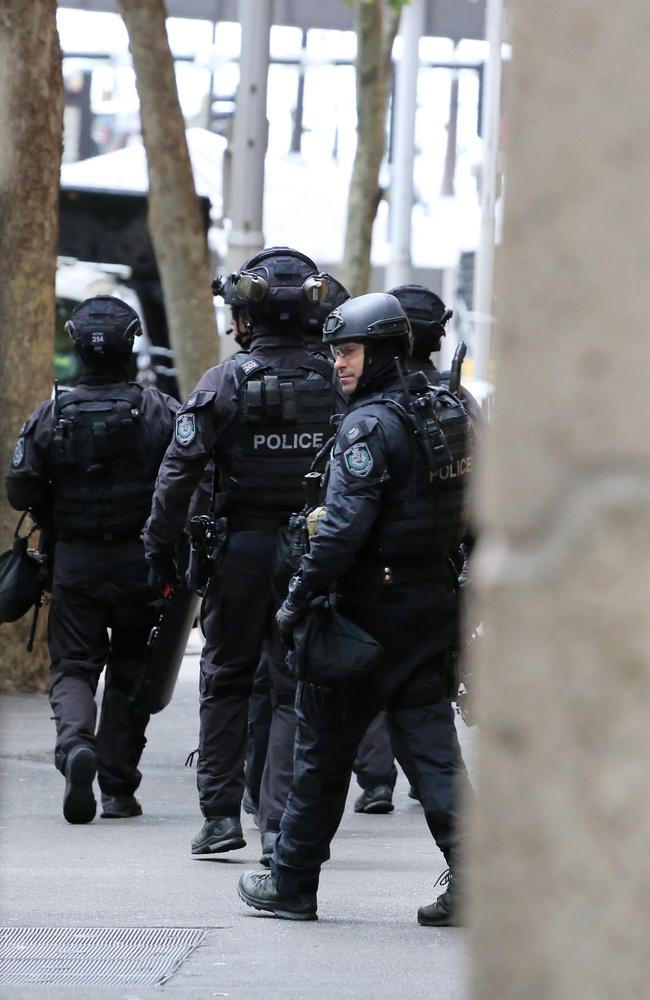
x=19, y=453
x=185, y=428
x=358, y=460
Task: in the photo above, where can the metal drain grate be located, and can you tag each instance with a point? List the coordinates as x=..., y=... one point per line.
x=98, y=956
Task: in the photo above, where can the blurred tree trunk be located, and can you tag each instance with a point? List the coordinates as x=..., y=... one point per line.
x=31, y=125
x=175, y=221
x=376, y=25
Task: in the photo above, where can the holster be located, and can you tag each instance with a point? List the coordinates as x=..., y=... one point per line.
x=208, y=536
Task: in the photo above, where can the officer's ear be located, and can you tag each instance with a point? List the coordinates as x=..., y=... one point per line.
x=316, y=288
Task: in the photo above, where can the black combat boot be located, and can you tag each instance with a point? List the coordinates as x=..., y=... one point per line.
x=257, y=890
x=120, y=807
x=445, y=912
x=79, y=804
x=268, y=843
x=375, y=800
x=219, y=835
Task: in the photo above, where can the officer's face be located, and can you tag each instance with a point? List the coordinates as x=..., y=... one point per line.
x=348, y=362
x=240, y=330
x=237, y=321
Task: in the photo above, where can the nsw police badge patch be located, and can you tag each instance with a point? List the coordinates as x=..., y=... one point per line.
x=185, y=429
x=358, y=460
x=19, y=453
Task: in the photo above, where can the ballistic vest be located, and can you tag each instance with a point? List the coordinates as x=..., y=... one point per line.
x=283, y=420
x=428, y=514
x=103, y=481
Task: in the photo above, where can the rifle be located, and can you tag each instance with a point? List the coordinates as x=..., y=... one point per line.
x=456, y=367
x=427, y=429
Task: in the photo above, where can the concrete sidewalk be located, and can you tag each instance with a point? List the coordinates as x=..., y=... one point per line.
x=139, y=873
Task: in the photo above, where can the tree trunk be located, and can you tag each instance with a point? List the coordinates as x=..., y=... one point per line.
x=31, y=123
x=561, y=868
x=175, y=221
x=376, y=28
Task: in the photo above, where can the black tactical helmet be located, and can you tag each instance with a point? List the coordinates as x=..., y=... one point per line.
x=375, y=318
x=103, y=328
x=335, y=295
x=428, y=315
x=277, y=286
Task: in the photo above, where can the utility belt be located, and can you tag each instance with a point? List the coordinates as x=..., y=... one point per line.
x=394, y=573
x=253, y=522
x=208, y=537
x=71, y=538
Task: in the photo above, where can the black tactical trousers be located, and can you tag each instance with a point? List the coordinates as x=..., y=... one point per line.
x=278, y=769
x=237, y=619
x=330, y=727
x=259, y=725
x=375, y=764
x=97, y=588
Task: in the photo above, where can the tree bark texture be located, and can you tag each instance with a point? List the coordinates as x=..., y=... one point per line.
x=377, y=24
x=561, y=868
x=175, y=221
x=31, y=126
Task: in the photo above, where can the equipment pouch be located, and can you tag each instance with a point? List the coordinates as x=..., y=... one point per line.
x=290, y=546
x=331, y=650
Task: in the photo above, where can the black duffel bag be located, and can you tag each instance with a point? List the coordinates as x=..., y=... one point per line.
x=20, y=577
x=331, y=650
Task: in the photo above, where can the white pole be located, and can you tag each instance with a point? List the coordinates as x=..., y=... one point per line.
x=250, y=133
x=484, y=271
x=398, y=269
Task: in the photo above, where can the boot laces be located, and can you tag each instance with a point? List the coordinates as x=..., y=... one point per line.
x=444, y=879
x=190, y=758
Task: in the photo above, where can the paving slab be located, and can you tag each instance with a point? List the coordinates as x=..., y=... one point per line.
x=140, y=873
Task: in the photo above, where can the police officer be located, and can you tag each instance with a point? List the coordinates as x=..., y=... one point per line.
x=374, y=766
x=312, y=326
x=278, y=768
x=259, y=710
x=261, y=417
x=391, y=517
x=273, y=698
x=85, y=464
x=428, y=316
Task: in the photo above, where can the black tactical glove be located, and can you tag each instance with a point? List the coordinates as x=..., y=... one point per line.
x=163, y=572
x=293, y=609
